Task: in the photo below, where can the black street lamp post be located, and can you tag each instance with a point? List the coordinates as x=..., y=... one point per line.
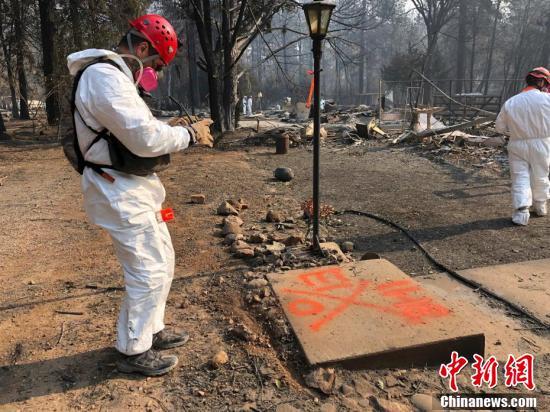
x=318, y=13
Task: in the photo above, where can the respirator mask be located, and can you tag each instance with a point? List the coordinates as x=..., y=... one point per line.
x=146, y=78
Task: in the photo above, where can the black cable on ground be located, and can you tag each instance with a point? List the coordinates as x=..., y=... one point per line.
x=454, y=274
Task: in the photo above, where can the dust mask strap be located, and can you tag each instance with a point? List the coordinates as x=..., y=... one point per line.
x=140, y=71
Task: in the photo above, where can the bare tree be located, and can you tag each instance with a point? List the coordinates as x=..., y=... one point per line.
x=545, y=51
x=2, y=127
x=7, y=47
x=17, y=9
x=461, y=46
x=436, y=14
x=48, y=56
x=489, y=64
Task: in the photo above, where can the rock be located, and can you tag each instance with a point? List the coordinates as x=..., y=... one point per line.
x=384, y=405
x=238, y=245
x=236, y=220
x=277, y=236
x=331, y=249
x=370, y=256
x=346, y=389
x=391, y=381
x=243, y=204
x=286, y=407
x=219, y=359
x=231, y=238
x=231, y=228
x=362, y=387
x=294, y=240
x=283, y=174
x=322, y=379
x=257, y=261
x=242, y=332
x=273, y=217
x=257, y=283
x=275, y=248
x=347, y=247
x=425, y=402
x=199, y=199
x=244, y=253
x=328, y=407
x=257, y=238
x=225, y=209
x=235, y=204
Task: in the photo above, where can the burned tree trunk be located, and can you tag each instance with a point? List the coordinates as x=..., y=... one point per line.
x=20, y=59
x=461, y=47
x=363, y=57
x=47, y=32
x=545, y=52
x=228, y=100
x=474, y=48
x=76, y=24
x=192, y=66
x=489, y=65
x=2, y=127
x=6, y=49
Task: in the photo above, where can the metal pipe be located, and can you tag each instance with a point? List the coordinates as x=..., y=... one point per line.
x=316, y=137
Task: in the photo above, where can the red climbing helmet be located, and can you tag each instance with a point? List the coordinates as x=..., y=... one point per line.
x=160, y=34
x=540, y=73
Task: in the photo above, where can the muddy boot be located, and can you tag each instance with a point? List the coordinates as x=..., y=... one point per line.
x=149, y=363
x=167, y=339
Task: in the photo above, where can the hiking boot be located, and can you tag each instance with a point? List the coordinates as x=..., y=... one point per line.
x=521, y=216
x=149, y=363
x=167, y=339
x=540, y=208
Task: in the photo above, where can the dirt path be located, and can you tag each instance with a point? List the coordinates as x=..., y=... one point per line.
x=52, y=261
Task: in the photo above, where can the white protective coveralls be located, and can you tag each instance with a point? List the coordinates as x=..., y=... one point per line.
x=249, y=106
x=526, y=118
x=127, y=208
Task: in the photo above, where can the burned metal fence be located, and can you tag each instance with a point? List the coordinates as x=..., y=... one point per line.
x=465, y=95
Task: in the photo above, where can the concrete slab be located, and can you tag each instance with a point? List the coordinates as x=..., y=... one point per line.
x=369, y=314
x=527, y=284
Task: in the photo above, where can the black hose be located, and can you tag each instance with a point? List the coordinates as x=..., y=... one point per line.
x=454, y=274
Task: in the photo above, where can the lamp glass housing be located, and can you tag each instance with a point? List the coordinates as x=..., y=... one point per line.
x=318, y=14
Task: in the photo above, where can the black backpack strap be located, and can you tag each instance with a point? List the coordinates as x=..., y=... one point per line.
x=100, y=134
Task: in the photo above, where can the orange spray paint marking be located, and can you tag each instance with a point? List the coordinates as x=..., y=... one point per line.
x=412, y=308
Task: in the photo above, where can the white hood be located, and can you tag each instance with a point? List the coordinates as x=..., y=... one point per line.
x=78, y=60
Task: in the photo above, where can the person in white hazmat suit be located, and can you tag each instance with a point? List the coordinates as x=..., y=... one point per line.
x=526, y=119
x=249, y=105
x=127, y=205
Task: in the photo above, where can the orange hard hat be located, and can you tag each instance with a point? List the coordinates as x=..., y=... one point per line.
x=160, y=34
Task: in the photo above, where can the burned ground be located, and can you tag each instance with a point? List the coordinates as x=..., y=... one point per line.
x=53, y=261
